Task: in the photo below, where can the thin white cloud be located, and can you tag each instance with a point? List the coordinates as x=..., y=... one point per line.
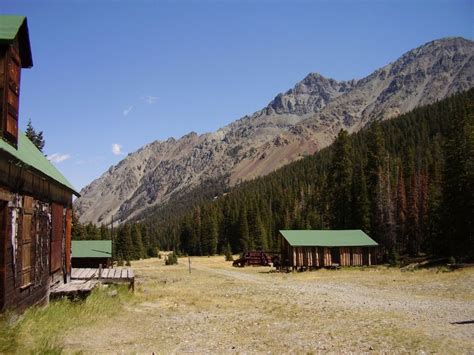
x=149, y=99
x=117, y=149
x=58, y=157
x=127, y=110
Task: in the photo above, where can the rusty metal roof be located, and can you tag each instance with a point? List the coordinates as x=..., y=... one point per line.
x=328, y=238
x=10, y=27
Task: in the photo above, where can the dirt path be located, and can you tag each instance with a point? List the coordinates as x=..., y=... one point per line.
x=222, y=309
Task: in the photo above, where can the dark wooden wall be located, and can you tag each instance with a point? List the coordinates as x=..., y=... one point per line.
x=27, y=272
x=90, y=262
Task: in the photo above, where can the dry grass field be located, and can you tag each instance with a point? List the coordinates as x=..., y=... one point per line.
x=221, y=309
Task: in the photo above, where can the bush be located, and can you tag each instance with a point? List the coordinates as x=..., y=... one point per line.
x=171, y=259
x=393, y=258
x=451, y=260
x=228, y=256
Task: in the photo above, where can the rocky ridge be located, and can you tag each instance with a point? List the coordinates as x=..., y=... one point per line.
x=300, y=121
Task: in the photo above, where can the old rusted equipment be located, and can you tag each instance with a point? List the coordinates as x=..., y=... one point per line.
x=253, y=258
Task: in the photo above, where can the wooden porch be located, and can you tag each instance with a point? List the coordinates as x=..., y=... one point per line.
x=83, y=280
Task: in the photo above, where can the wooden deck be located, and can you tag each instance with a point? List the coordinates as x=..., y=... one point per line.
x=106, y=276
x=83, y=281
x=75, y=288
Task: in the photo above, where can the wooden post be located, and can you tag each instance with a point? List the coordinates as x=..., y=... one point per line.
x=100, y=272
x=189, y=262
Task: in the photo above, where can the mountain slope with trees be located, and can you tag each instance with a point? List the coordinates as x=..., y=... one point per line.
x=407, y=182
x=296, y=123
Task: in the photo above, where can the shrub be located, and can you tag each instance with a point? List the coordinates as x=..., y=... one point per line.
x=393, y=258
x=171, y=259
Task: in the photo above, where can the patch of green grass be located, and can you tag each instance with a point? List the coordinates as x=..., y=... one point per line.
x=42, y=329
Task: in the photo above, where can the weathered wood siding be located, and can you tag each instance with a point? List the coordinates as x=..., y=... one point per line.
x=316, y=257
x=25, y=272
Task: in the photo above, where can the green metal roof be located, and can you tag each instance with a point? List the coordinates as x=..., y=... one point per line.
x=29, y=155
x=328, y=238
x=10, y=27
x=91, y=248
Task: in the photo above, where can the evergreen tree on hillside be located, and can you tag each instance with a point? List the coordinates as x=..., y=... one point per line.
x=138, y=249
x=341, y=182
x=376, y=162
x=244, y=230
x=458, y=198
x=360, y=201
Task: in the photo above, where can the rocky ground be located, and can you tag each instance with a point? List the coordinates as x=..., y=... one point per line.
x=217, y=308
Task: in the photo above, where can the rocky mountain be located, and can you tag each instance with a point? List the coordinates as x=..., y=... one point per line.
x=298, y=122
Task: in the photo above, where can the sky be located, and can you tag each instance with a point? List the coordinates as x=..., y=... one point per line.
x=112, y=76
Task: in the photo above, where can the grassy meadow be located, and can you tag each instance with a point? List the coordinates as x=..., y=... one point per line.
x=218, y=308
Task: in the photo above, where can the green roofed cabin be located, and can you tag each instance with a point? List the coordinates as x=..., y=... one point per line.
x=324, y=248
x=35, y=198
x=91, y=253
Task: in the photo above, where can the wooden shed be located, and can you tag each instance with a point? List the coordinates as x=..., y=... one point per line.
x=91, y=253
x=35, y=198
x=323, y=248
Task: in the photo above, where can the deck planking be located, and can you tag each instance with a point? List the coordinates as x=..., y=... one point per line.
x=116, y=275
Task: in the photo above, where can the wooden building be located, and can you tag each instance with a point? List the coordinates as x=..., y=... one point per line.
x=324, y=248
x=91, y=253
x=35, y=198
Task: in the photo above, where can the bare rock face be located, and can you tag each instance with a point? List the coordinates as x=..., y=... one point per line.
x=298, y=122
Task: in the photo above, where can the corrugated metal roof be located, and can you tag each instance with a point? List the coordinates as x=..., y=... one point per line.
x=28, y=154
x=328, y=238
x=10, y=26
x=91, y=248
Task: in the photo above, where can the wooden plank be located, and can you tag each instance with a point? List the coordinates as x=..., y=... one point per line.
x=117, y=273
x=130, y=274
x=124, y=274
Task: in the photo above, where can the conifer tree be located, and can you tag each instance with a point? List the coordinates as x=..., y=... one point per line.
x=244, y=229
x=341, y=182
x=138, y=249
x=360, y=202
x=35, y=137
x=458, y=193
x=400, y=210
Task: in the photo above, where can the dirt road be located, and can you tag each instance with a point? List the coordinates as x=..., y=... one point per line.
x=218, y=308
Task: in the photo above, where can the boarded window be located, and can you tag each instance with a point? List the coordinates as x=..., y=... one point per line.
x=27, y=250
x=56, y=236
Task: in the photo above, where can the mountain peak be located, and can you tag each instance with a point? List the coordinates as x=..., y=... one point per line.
x=299, y=121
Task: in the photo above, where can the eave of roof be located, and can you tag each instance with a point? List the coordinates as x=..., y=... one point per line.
x=28, y=155
x=328, y=238
x=10, y=27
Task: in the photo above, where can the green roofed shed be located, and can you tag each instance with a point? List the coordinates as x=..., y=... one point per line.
x=328, y=238
x=12, y=26
x=326, y=248
x=91, y=248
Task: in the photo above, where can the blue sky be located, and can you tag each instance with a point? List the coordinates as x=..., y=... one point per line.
x=111, y=76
